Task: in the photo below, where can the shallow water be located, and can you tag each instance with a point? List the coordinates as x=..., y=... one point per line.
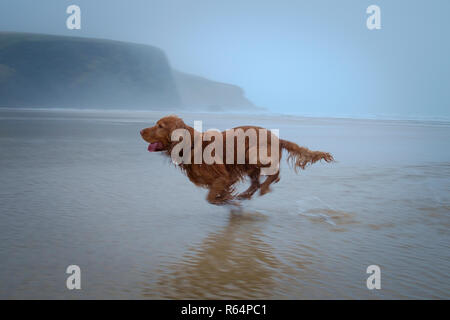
x=80, y=188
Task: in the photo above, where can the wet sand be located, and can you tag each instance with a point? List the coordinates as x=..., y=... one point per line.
x=79, y=187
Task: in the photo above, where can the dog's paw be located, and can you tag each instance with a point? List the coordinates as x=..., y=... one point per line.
x=263, y=191
x=244, y=196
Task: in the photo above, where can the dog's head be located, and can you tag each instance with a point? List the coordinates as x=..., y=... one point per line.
x=159, y=136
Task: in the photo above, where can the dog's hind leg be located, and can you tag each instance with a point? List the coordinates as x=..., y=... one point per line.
x=254, y=186
x=265, y=187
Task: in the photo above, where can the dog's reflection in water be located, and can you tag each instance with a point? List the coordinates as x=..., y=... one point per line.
x=239, y=214
x=233, y=263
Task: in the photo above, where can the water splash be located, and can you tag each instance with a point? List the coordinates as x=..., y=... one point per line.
x=309, y=207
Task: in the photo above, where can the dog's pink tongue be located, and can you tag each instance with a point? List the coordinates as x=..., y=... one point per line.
x=153, y=146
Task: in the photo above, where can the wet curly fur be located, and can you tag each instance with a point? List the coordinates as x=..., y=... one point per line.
x=221, y=179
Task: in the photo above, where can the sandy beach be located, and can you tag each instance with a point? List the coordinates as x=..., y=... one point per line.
x=79, y=187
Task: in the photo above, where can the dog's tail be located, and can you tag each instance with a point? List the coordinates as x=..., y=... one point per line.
x=300, y=157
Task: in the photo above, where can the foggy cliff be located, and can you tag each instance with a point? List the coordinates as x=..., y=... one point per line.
x=70, y=72
x=210, y=95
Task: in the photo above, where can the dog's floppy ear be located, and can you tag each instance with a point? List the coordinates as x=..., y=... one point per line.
x=176, y=122
x=179, y=123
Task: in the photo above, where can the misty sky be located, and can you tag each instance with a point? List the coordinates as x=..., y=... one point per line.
x=303, y=57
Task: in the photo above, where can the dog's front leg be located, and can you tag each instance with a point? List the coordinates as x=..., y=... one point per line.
x=220, y=192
